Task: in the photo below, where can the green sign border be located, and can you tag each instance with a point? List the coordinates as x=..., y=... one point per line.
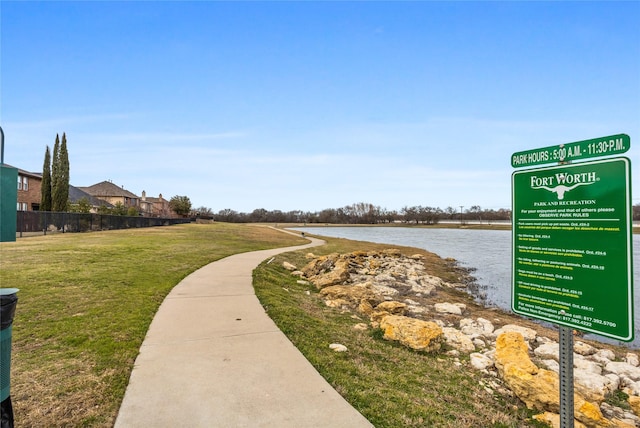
x=596, y=309
x=596, y=147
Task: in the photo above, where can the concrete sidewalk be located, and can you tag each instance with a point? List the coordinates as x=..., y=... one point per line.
x=213, y=358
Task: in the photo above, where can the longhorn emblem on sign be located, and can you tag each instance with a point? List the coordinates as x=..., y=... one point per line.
x=561, y=189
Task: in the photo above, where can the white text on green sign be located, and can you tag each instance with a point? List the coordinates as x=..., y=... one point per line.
x=572, y=256
x=597, y=147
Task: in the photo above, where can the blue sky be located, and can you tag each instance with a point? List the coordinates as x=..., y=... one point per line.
x=314, y=105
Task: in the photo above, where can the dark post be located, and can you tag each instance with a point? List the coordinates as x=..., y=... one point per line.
x=8, y=302
x=1, y=146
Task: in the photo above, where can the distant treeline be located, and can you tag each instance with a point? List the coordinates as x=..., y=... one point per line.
x=359, y=213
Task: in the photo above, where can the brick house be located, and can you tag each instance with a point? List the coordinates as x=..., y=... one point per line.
x=29, y=190
x=146, y=206
x=159, y=207
x=109, y=192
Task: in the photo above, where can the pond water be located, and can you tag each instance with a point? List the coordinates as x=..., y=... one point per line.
x=488, y=252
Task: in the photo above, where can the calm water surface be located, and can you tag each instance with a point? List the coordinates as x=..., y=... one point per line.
x=486, y=251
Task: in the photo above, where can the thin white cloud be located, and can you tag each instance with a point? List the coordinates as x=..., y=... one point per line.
x=58, y=122
x=161, y=137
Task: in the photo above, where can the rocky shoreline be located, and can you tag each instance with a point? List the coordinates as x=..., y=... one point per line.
x=393, y=292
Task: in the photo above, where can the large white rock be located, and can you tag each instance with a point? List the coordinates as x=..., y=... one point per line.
x=632, y=359
x=424, y=286
x=450, y=308
x=623, y=369
x=632, y=388
x=593, y=386
x=477, y=327
x=288, y=266
x=384, y=290
x=337, y=347
x=458, y=340
x=480, y=361
x=548, y=351
x=614, y=381
x=604, y=356
x=528, y=334
x=479, y=343
x=581, y=363
x=583, y=348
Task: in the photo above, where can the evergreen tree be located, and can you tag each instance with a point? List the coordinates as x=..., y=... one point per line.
x=181, y=205
x=64, y=173
x=45, y=199
x=55, y=174
x=60, y=175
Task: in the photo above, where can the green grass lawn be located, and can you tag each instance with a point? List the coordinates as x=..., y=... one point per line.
x=85, y=304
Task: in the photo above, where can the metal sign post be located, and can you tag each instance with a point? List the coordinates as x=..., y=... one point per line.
x=566, y=377
x=571, y=238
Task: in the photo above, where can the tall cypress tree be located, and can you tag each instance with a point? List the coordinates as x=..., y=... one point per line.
x=45, y=199
x=55, y=174
x=63, y=164
x=60, y=175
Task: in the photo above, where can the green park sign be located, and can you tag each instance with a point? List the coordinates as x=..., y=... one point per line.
x=597, y=147
x=572, y=254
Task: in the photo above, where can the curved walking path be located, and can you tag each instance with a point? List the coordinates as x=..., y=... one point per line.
x=213, y=358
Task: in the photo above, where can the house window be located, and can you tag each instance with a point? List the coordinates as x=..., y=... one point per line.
x=23, y=183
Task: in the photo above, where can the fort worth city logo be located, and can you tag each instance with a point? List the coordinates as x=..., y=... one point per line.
x=561, y=183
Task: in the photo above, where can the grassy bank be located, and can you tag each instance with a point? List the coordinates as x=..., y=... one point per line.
x=389, y=384
x=85, y=304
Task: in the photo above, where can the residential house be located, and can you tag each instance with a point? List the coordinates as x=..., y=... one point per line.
x=101, y=194
x=113, y=194
x=76, y=194
x=159, y=206
x=146, y=206
x=29, y=190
